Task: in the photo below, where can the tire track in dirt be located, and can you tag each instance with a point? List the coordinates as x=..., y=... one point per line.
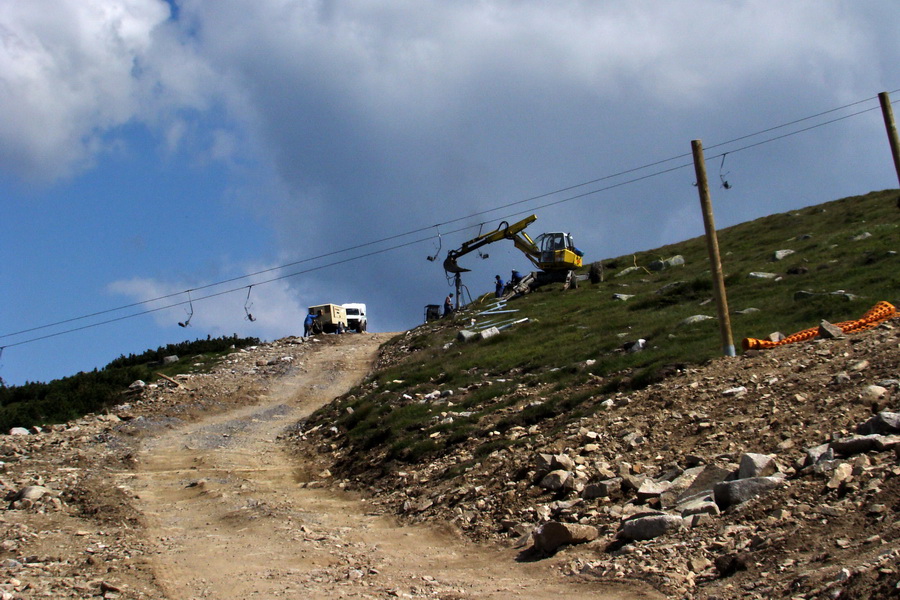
x=228, y=517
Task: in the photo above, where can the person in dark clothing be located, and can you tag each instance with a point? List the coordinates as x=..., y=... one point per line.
x=309, y=323
x=514, y=279
x=448, y=304
x=498, y=286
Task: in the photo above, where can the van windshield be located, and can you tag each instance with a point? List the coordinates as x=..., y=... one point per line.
x=352, y=311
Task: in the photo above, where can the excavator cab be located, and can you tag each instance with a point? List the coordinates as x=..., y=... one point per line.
x=557, y=252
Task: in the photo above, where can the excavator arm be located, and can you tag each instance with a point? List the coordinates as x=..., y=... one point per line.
x=514, y=232
x=554, y=255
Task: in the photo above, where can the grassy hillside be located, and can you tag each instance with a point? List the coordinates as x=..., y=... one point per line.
x=71, y=397
x=572, y=347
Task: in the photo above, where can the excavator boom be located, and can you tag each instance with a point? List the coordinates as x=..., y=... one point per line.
x=504, y=232
x=551, y=251
x=554, y=255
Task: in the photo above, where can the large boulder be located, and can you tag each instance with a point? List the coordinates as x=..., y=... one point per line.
x=552, y=535
x=756, y=465
x=662, y=265
x=704, y=481
x=650, y=489
x=858, y=444
x=647, y=527
x=555, y=480
x=694, y=319
x=699, y=506
x=731, y=493
x=883, y=422
x=31, y=492
x=552, y=462
x=603, y=489
x=819, y=453
x=781, y=254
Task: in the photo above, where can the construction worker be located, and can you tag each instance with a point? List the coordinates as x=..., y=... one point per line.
x=309, y=322
x=514, y=279
x=498, y=286
x=448, y=304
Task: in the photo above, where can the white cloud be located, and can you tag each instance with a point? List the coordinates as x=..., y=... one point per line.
x=317, y=82
x=439, y=88
x=73, y=72
x=66, y=76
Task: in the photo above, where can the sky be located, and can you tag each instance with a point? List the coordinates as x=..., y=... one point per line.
x=184, y=159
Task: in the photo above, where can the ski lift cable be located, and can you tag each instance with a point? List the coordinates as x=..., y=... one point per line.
x=387, y=249
x=458, y=219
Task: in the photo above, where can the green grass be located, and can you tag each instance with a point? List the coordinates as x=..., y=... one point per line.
x=546, y=356
x=71, y=397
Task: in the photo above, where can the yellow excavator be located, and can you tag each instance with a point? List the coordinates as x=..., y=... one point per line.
x=554, y=254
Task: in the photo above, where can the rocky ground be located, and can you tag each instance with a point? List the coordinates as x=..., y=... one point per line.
x=68, y=529
x=772, y=475
x=184, y=491
x=775, y=474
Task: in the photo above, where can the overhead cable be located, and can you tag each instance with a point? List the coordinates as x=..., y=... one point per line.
x=438, y=225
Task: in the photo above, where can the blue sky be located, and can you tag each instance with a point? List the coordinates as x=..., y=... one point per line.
x=147, y=151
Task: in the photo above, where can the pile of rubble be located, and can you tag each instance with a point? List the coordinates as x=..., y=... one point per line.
x=770, y=475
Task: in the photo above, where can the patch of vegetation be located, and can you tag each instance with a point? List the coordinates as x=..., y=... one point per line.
x=73, y=397
x=412, y=451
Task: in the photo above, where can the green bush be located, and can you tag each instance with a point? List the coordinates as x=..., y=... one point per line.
x=71, y=397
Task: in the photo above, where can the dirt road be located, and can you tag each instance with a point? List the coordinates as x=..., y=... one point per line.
x=230, y=516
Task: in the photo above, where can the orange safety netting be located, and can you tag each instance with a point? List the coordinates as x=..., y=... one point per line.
x=878, y=313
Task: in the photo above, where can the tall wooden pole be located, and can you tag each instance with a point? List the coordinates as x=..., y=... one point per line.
x=712, y=246
x=888, y=113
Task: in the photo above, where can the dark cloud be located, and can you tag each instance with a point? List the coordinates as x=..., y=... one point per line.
x=339, y=123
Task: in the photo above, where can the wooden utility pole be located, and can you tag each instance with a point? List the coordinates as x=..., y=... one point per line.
x=888, y=113
x=712, y=246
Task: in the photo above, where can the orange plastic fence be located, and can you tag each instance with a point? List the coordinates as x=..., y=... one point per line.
x=875, y=315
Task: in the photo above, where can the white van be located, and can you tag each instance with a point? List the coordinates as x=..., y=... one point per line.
x=356, y=317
